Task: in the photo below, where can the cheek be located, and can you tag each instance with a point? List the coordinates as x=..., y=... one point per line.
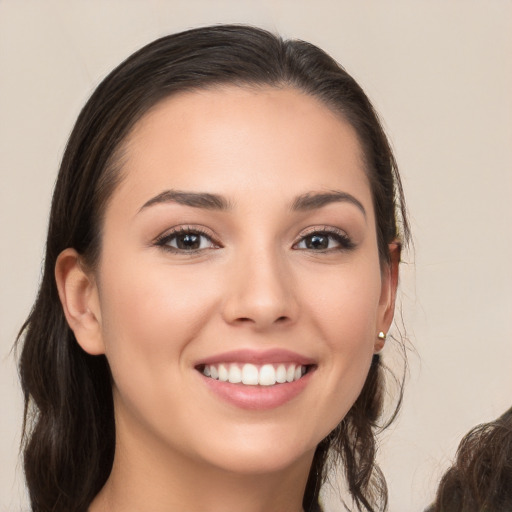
x=149, y=318
x=345, y=304
x=347, y=316
x=149, y=314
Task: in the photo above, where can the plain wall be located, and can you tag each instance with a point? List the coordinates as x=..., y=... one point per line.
x=439, y=73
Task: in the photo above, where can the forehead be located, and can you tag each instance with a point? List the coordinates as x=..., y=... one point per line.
x=232, y=140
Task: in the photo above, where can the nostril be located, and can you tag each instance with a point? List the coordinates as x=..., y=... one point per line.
x=245, y=320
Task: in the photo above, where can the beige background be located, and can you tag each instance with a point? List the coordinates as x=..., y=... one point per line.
x=440, y=74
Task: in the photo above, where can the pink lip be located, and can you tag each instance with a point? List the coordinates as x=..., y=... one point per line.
x=257, y=397
x=258, y=357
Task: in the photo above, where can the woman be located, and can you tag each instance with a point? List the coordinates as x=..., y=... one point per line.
x=221, y=268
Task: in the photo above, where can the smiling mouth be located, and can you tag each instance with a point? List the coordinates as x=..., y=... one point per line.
x=255, y=375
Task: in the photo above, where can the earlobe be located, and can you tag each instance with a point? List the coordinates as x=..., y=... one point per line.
x=388, y=294
x=79, y=298
x=381, y=340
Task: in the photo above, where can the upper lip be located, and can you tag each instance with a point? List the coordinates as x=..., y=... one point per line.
x=275, y=355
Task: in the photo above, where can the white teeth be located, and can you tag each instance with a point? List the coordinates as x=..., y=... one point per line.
x=281, y=374
x=235, y=374
x=223, y=373
x=252, y=375
x=267, y=375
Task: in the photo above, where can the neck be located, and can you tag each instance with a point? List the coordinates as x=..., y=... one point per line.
x=147, y=476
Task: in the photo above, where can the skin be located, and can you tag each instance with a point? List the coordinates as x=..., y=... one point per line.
x=253, y=284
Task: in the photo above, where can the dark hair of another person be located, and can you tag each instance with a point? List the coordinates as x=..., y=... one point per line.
x=69, y=431
x=481, y=477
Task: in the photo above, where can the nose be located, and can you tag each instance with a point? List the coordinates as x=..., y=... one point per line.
x=261, y=291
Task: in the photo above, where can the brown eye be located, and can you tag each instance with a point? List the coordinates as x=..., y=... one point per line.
x=322, y=241
x=317, y=242
x=186, y=240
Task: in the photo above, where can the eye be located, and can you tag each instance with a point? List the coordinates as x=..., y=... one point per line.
x=185, y=240
x=325, y=240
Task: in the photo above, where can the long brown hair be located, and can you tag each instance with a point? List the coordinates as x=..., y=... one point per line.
x=69, y=431
x=480, y=478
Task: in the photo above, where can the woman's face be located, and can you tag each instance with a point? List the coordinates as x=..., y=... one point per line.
x=241, y=242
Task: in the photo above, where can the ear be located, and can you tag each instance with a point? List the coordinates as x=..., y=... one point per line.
x=388, y=293
x=78, y=295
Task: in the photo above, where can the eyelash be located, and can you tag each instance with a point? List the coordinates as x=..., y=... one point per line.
x=340, y=237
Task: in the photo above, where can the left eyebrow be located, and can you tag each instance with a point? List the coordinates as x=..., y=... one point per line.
x=194, y=199
x=312, y=201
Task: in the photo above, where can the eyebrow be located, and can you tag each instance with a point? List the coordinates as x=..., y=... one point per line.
x=207, y=201
x=194, y=199
x=312, y=201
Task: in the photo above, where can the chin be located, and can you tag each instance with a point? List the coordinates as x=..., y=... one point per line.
x=246, y=462
x=252, y=451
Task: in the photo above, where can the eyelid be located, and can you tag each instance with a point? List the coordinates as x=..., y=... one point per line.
x=323, y=228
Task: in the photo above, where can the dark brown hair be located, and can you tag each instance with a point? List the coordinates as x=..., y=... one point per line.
x=480, y=479
x=69, y=419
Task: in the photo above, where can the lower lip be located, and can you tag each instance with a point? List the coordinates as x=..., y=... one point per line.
x=258, y=397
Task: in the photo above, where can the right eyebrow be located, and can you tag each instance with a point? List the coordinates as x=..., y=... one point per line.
x=312, y=201
x=202, y=200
